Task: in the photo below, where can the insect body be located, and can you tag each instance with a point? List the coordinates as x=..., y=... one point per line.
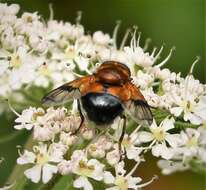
x=102, y=108
x=104, y=95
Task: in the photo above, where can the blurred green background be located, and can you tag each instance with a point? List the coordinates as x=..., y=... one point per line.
x=173, y=23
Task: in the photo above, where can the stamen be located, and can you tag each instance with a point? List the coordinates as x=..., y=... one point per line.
x=155, y=177
x=137, y=129
x=193, y=64
x=133, y=42
x=150, y=146
x=51, y=12
x=133, y=169
x=115, y=32
x=94, y=140
x=153, y=51
x=147, y=42
x=18, y=150
x=12, y=109
x=30, y=51
x=166, y=59
x=88, y=71
x=79, y=17
x=139, y=37
x=155, y=83
x=76, y=74
x=35, y=149
x=158, y=54
x=133, y=132
x=186, y=86
x=124, y=40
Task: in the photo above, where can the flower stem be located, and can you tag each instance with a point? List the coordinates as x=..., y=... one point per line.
x=17, y=175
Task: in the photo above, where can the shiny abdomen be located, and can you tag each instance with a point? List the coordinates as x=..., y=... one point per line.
x=101, y=108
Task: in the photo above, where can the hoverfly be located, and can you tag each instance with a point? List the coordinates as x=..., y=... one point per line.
x=103, y=96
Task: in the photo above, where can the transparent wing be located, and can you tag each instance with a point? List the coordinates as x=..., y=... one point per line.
x=61, y=95
x=136, y=106
x=139, y=111
x=68, y=91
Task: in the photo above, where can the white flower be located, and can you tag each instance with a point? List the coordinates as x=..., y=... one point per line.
x=100, y=38
x=130, y=145
x=200, y=109
x=142, y=79
x=22, y=72
x=190, y=143
x=186, y=101
x=47, y=126
x=169, y=167
x=83, y=182
x=43, y=159
x=107, y=54
x=99, y=148
x=71, y=123
x=152, y=98
x=159, y=135
x=136, y=55
x=96, y=151
x=84, y=168
x=123, y=181
x=113, y=157
x=28, y=118
x=43, y=133
x=65, y=167
x=12, y=9
x=68, y=139
x=87, y=133
x=89, y=168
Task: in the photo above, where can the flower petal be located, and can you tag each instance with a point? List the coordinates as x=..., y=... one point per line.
x=163, y=151
x=47, y=172
x=176, y=111
x=168, y=124
x=34, y=173
x=83, y=182
x=108, y=178
x=27, y=157
x=144, y=136
x=173, y=140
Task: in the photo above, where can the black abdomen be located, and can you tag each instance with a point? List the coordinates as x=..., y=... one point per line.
x=102, y=108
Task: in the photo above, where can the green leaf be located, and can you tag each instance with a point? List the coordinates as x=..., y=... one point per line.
x=160, y=90
x=160, y=114
x=184, y=125
x=98, y=184
x=64, y=183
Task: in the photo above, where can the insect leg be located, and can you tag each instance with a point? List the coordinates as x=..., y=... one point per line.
x=122, y=136
x=81, y=116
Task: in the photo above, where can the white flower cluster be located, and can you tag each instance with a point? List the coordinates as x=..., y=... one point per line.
x=58, y=151
x=37, y=53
